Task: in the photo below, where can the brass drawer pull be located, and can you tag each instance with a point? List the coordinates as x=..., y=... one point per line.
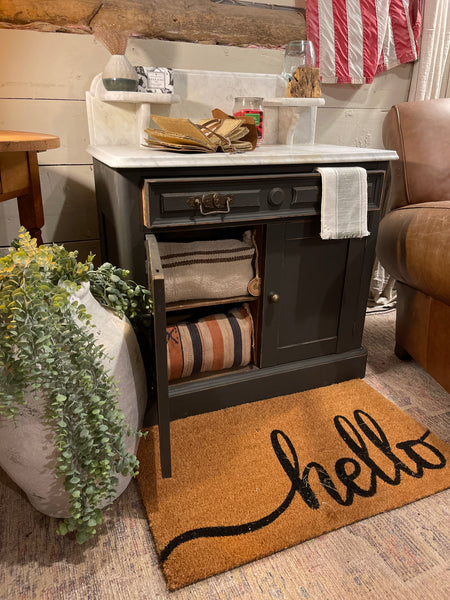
x=214, y=203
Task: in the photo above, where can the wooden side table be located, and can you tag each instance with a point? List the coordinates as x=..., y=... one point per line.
x=19, y=175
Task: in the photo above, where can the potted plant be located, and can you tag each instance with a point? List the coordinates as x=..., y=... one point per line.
x=72, y=382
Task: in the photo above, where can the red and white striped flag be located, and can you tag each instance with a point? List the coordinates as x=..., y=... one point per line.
x=355, y=40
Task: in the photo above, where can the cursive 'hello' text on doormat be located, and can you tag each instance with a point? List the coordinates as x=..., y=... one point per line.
x=254, y=479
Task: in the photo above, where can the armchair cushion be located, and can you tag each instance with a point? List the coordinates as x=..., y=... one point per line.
x=414, y=247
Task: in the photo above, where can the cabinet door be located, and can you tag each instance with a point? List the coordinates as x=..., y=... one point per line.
x=311, y=292
x=156, y=284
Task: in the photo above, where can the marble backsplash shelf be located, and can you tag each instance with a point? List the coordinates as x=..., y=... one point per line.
x=98, y=90
x=121, y=118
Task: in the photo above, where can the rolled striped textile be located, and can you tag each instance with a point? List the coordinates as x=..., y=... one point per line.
x=216, y=342
x=355, y=40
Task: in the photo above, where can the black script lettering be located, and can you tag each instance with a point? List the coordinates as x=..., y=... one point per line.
x=326, y=482
x=421, y=462
x=301, y=485
x=357, y=444
x=348, y=479
x=376, y=436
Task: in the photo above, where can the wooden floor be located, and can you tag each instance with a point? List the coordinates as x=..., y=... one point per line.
x=403, y=554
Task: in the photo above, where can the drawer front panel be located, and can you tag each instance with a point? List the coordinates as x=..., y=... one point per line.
x=172, y=202
x=176, y=203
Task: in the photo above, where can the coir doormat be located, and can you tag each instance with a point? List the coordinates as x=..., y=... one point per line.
x=254, y=479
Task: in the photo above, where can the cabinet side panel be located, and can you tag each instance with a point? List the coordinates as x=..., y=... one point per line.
x=120, y=219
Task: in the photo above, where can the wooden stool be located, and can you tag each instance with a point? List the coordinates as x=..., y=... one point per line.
x=19, y=175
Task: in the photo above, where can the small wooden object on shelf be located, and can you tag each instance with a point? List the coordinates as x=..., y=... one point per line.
x=305, y=83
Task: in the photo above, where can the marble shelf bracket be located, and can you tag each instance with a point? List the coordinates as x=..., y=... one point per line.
x=290, y=120
x=120, y=118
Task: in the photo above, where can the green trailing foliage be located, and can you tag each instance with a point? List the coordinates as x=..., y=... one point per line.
x=47, y=346
x=110, y=287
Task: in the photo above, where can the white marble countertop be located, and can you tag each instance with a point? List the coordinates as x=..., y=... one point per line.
x=129, y=157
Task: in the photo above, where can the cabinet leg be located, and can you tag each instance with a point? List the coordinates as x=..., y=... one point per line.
x=166, y=465
x=164, y=450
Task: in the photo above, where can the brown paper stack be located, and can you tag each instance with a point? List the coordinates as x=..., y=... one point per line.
x=220, y=133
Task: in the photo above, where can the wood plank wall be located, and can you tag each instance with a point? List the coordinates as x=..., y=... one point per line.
x=43, y=79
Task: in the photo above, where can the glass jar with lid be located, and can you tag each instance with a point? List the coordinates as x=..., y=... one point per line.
x=251, y=106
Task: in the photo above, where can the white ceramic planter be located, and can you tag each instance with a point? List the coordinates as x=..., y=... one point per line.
x=28, y=453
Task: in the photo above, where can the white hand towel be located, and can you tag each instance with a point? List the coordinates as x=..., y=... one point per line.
x=344, y=202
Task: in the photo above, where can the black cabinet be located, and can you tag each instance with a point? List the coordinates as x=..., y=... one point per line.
x=309, y=316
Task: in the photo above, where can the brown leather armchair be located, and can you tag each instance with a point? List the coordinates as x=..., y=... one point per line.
x=414, y=236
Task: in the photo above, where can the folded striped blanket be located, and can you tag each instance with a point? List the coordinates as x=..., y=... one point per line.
x=215, y=342
x=207, y=269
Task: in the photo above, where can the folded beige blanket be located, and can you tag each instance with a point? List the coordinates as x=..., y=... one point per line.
x=207, y=269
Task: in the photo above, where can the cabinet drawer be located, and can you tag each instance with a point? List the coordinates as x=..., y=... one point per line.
x=172, y=202
x=209, y=200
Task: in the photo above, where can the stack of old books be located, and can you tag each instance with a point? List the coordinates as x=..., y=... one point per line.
x=219, y=133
